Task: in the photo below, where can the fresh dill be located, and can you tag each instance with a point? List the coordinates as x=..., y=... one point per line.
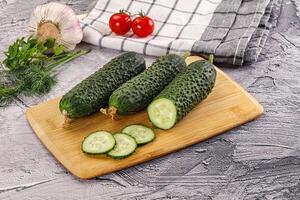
x=29, y=67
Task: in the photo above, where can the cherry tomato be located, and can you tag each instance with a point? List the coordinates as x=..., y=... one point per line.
x=142, y=26
x=120, y=23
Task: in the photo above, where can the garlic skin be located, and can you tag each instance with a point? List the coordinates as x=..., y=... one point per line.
x=57, y=21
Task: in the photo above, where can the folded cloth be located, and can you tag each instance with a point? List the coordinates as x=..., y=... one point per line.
x=233, y=30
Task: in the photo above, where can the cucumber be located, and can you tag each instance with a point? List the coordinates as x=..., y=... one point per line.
x=125, y=146
x=98, y=143
x=190, y=87
x=140, y=133
x=138, y=92
x=93, y=93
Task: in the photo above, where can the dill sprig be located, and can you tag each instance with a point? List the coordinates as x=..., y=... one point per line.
x=29, y=67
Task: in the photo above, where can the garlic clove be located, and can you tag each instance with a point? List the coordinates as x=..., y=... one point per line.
x=57, y=21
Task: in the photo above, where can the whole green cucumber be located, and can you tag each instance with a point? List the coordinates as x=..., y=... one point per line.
x=190, y=87
x=93, y=93
x=138, y=92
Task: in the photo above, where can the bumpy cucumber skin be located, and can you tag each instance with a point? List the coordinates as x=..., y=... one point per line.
x=122, y=157
x=190, y=87
x=93, y=93
x=95, y=154
x=137, y=93
x=140, y=144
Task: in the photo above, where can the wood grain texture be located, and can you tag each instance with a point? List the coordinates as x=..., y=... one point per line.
x=226, y=107
x=259, y=160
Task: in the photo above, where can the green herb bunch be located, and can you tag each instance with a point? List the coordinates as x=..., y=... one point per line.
x=29, y=67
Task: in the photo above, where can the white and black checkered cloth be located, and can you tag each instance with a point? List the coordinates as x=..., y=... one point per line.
x=233, y=30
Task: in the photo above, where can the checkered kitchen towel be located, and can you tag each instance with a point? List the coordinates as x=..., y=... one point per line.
x=233, y=30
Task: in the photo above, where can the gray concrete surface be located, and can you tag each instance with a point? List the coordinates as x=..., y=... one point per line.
x=259, y=160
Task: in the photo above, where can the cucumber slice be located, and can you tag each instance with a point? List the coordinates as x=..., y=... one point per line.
x=98, y=143
x=125, y=146
x=140, y=133
x=162, y=113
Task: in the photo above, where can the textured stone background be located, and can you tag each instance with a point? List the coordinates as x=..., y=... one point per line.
x=259, y=160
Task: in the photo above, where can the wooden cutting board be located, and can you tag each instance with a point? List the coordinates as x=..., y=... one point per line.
x=226, y=107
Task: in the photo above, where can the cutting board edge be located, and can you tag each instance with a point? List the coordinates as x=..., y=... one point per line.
x=160, y=155
x=260, y=108
x=50, y=146
x=255, y=114
x=80, y=173
x=83, y=174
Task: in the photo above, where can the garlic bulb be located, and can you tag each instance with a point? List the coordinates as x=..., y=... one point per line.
x=57, y=21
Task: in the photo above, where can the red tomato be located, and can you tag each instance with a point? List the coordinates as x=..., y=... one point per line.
x=120, y=23
x=142, y=26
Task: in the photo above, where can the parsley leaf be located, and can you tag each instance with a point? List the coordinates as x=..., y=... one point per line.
x=29, y=67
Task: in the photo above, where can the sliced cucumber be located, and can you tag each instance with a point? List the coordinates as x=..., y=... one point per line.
x=98, y=143
x=125, y=146
x=140, y=133
x=162, y=113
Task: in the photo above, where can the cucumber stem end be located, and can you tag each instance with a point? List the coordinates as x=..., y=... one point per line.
x=185, y=55
x=67, y=120
x=104, y=111
x=111, y=112
x=211, y=58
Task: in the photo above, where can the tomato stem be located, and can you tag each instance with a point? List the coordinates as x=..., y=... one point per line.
x=123, y=11
x=142, y=13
